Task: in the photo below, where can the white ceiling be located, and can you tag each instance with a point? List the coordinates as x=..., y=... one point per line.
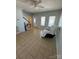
x=49, y=5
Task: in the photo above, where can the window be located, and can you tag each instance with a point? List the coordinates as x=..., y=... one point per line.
x=43, y=20
x=51, y=21
x=34, y=21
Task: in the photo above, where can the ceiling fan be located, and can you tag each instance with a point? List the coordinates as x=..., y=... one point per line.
x=36, y=3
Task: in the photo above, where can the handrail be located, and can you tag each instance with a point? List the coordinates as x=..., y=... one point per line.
x=26, y=19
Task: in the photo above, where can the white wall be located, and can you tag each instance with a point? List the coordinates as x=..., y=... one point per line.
x=20, y=21
x=59, y=40
x=19, y=14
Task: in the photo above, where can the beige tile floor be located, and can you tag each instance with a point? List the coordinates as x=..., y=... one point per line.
x=29, y=45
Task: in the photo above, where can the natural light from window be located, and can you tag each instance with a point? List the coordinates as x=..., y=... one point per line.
x=43, y=21
x=51, y=21
x=34, y=21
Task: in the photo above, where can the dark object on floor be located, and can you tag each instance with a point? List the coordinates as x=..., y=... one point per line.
x=49, y=36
